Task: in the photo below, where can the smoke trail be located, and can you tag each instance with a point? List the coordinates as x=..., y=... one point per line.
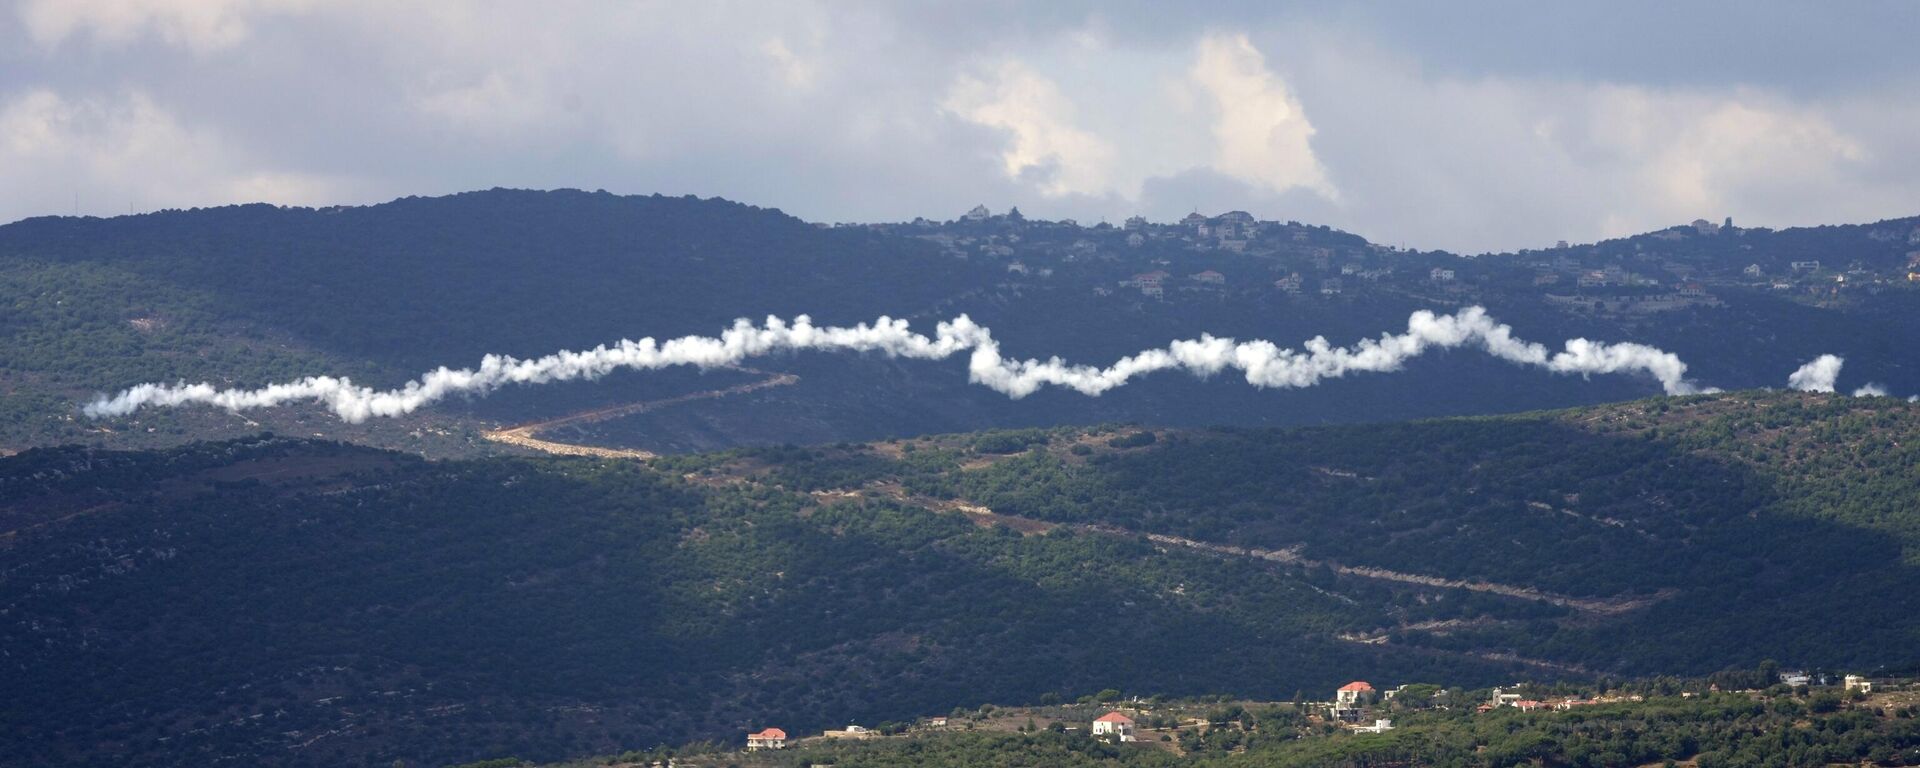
x=1818, y=375
x=1263, y=363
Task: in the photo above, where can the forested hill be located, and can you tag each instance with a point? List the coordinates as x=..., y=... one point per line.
x=423, y=281
x=312, y=603
x=252, y=295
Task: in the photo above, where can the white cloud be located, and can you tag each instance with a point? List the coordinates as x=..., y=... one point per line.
x=1489, y=160
x=1700, y=152
x=875, y=111
x=130, y=149
x=199, y=25
x=492, y=105
x=1261, y=133
x=795, y=70
x=1043, y=146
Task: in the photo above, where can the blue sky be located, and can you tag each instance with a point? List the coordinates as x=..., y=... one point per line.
x=1470, y=126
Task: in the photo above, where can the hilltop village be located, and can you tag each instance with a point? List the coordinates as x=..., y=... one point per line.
x=1201, y=257
x=1357, y=707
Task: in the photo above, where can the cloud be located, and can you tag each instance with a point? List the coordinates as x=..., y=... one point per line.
x=1402, y=131
x=202, y=26
x=1711, y=152
x=495, y=104
x=797, y=71
x=1261, y=134
x=128, y=146
x=1043, y=146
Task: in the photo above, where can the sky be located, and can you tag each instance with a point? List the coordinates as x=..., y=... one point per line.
x=1469, y=126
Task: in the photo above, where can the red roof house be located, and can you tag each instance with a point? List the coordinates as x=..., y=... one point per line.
x=771, y=738
x=1114, y=723
x=1351, y=693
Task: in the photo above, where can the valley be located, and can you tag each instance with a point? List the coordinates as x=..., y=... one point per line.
x=315, y=599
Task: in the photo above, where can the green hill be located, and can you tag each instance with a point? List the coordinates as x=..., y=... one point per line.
x=312, y=603
x=256, y=294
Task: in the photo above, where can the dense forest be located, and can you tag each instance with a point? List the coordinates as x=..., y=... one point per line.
x=326, y=603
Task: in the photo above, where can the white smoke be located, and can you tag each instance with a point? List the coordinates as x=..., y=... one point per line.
x=1818, y=375
x=1822, y=374
x=1263, y=363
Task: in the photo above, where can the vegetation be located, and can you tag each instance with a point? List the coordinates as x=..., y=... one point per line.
x=248, y=295
x=331, y=604
x=1705, y=729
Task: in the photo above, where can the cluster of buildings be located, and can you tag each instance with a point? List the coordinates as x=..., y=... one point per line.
x=1848, y=683
x=1507, y=697
x=1352, y=702
x=775, y=738
x=1664, y=271
x=1355, y=707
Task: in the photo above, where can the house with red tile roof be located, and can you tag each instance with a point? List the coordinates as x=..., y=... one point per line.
x=1353, y=694
x=771, y=738
x=1113, y=723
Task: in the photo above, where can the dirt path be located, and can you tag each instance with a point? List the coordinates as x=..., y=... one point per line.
x=980, y=515
x=526, y=435
x=1291, y=556
x=7, y=537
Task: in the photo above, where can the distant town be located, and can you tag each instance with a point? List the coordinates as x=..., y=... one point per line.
x=1678, y=268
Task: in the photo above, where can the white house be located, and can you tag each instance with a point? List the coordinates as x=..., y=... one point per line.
x=771, y=738
x=1113, y=723
x=852, y=732
x=1379, y=726
x=1858, y=683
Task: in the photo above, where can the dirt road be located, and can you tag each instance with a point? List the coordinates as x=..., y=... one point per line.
x=527, y=435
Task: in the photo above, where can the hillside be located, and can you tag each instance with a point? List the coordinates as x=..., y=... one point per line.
x=328, y=604
x=1641, y=722
x=251, y=295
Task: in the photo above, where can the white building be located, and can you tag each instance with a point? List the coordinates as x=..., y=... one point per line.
x=771, y=738
x=1113, y=723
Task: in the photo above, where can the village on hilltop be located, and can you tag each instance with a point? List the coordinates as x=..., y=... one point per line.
x=1356, y=707
x=1674, y=269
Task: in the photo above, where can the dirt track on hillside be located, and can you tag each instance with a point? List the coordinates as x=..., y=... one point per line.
x=527, y=435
